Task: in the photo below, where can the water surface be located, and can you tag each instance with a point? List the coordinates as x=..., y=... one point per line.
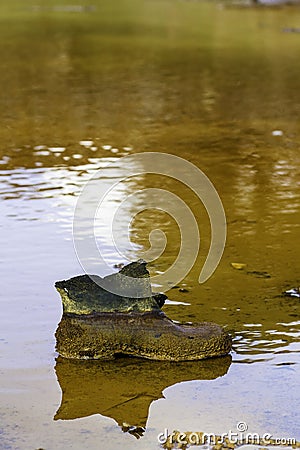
x=200, y=80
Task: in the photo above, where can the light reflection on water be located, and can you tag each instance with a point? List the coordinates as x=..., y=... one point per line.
x=155, y=76
x=49, y=197
x=264, y=324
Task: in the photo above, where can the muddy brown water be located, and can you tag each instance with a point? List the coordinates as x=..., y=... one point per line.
x=216, y=85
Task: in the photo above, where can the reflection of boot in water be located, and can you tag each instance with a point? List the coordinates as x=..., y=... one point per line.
x=124, y=389
x=99, y=324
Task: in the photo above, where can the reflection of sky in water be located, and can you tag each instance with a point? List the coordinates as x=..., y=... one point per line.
x=50, y=196
x=281, y=195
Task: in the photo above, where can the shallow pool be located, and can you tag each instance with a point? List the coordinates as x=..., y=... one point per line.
x=84, y=85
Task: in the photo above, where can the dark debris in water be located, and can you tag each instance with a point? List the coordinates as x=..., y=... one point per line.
x=259, y=274
x=119, y=265
x=181, y=288
x=291, y=30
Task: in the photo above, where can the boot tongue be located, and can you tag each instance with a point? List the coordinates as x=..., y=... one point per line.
x=126, y=291
x=136, y=269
